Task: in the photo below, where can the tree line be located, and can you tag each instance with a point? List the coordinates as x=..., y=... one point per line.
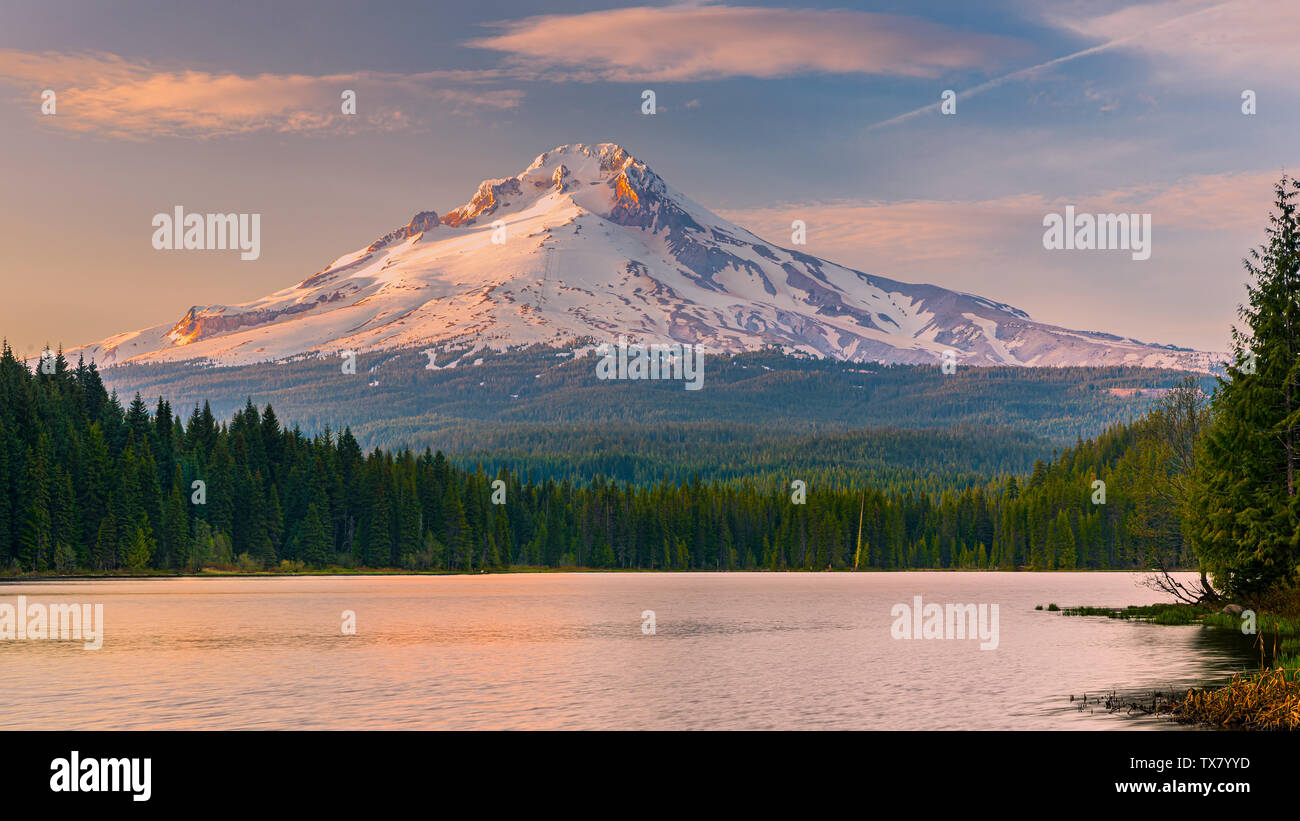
x=93, y=485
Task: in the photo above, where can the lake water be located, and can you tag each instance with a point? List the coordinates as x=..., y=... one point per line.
x=545, y=651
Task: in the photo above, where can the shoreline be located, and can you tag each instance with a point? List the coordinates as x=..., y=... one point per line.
x=1266, y=699
x=221, y=573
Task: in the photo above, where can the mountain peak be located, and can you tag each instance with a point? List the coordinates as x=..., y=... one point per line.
x=611, y=158
x=600, y=246
x=565, y=169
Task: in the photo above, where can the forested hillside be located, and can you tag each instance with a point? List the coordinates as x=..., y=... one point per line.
x=919, y=459
x=477, y=400
x=94, y=486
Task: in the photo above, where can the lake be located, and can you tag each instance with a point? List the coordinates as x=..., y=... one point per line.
x=568, y=651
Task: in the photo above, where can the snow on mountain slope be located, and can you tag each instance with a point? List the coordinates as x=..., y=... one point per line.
x=597, y=245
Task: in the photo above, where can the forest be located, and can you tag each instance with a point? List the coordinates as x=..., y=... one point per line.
x=95, y=486
x=482, y=401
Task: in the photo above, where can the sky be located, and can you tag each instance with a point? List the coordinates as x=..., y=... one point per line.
x=765, y=113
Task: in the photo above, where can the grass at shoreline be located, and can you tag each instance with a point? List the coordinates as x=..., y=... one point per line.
x=1269, y=700
x=1166, y=614
x=1265, y=700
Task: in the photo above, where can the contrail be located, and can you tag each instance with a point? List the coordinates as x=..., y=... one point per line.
x=1024, y=72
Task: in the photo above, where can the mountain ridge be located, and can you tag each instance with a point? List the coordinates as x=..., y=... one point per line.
x=588, y=241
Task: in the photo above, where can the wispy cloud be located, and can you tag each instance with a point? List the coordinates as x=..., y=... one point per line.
x=1167, y=27
x=110, y=96
x=1208, y=36
x=700, y=42
x=919, y=234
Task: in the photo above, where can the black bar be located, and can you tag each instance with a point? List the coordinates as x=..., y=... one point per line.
x=613, y=773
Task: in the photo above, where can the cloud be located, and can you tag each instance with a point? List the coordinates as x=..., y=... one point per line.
x=1189, y=37
x=887, y=236
x=693, y=42
x=107, y=95
x=925, y=235
x=1213, y=37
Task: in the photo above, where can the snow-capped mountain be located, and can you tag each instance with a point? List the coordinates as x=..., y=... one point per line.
x=589, y=242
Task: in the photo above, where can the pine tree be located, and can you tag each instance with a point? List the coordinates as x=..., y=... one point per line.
x=457, y=530
x=1066, y=557
x=174, y=546
x=35, y=535
x=314, y=541
x=7, y=495
x=137, y=422
x=93, y=489
x=378, y=548
x=1244, y=511
x=104, y=554
x=138, y=550
x=63, y=519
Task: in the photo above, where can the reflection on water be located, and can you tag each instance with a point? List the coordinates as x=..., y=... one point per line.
x=736, y=650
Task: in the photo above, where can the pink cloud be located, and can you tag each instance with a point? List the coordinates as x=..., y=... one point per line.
x=107, y=95
x=693, y=42
x=915, y=234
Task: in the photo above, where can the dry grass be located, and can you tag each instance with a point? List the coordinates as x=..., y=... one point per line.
x=1263, y=701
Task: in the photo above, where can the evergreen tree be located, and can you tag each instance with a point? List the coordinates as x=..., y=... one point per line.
x=104, y=554
x=35, y=537
x=315, y=544
x=1066, y=557
x=1244, y=513
x=138, y=550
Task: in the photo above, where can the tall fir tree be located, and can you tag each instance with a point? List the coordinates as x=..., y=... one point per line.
x=1244, y=513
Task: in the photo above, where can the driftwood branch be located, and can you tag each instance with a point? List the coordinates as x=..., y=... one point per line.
x=1197, y=592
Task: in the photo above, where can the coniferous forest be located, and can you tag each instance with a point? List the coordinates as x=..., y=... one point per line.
x=91, y=485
